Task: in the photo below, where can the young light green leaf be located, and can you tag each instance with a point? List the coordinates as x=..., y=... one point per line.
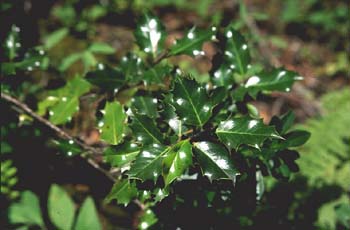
x=88, y=217
x=26, y=211
x=145, y=105
x=145, y=130
x=236, y=51
x=244, y=130
x=101, y=48
x=150, y=34
x=177, y=161
x=61, y=208
x=68, y=100
x=106, y=77
x=191, y=102
x=148, y=164
x=215, y=161
x=191, y=44
x=113, y=123
x=123, y=191
x=122, y=154
x=69, y=60
x=55, y=37
x=276, y=80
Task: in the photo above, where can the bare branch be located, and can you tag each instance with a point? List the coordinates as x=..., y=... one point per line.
x=61, y=133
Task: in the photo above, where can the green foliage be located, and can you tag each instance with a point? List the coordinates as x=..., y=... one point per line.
x=161, y=125
x=324, y=163
x=61, y=210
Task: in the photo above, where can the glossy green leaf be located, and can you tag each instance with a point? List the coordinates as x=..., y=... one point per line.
x=177, y=161
x=236, y=51
x=88, y=217
x=244, y=130
x=26, y=211
x=132, y=67
x=147, y=219
x=284, y=123
x=68, y=100
x=122, y=154
x=191, y=44
x=60, y=208
x=101, y=48
x=160, y=194
x=156, y=75
x=215, y=161
x=150, y=34
x=145, y=105
x=55, y=37
x=276, y=80
x=113, y=123
x=223, y=76
x=145, y=130
x=148, y=164
x=123, y=192
x=106, y=77
x=191, y=102
x=169, y=115
x=296, y=138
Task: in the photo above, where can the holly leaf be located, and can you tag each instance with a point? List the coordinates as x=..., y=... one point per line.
x=150, y=34
x=191, y=44
x=223, y=76
x=169, y=115
x=113, y=123
x=69, y=148
x=191, y=102
x=177, y=161
x=244, y=130
x=276, y=80
x=145, y=105
x=106, y=77
x=284, y=123
x=148, y=164
x=215, y=161
x=122, y=154
x=123, y=192
x=156, y=74
x=147, y=219
x=236, y=51
x=132, y=67
x=296, y=138
x=145, y=130
x=88, y=216
x=68, y=100
x=60, y=208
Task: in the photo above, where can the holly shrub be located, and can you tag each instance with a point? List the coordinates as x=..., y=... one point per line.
x=160, y=125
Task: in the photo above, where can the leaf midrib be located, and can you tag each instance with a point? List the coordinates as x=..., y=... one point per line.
x=224, y=171
x=147, y=131
x=191, y=102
